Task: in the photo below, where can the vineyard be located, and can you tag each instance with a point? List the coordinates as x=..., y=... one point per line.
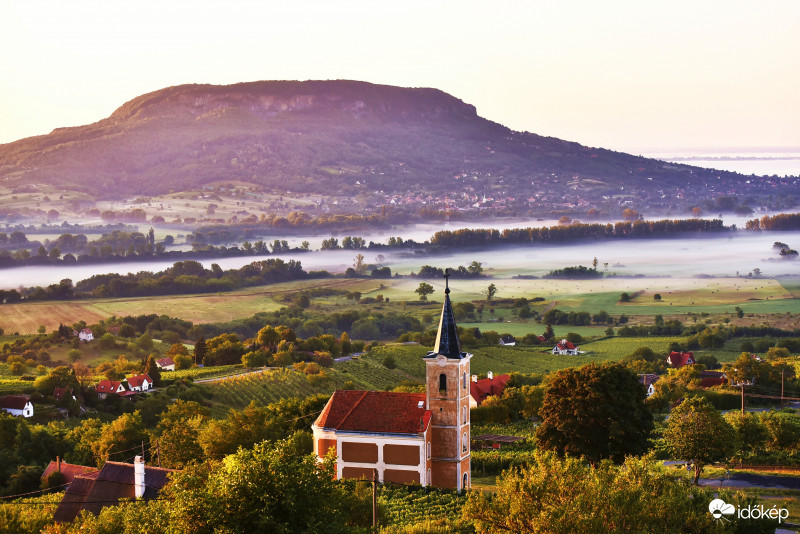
x=427, y=509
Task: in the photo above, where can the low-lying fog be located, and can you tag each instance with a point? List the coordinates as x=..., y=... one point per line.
x=719, y=255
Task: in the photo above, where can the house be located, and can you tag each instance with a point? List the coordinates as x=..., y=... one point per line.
x=166, y=364
x=418, y=438
x=85, y=335
x=69, y=471
x=508, y=341
x=709, y=379
x=19, y=405
x=94, y=490
x=140, y=383
x=486, y=387
x=60, y=394
x=565, y=347
x=107, y=387
x=676, y=360
x=649, y=381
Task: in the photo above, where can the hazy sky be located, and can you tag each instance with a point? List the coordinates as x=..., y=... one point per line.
x=629, y=75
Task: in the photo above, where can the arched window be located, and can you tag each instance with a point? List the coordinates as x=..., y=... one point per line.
x=442, y=383
x=466, y=480
x=464, y=443
x=463, y=415
x=464, y=381
x=429, y=450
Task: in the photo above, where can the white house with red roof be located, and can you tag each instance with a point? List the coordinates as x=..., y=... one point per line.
x=676, y=360
x=166, y=364
x=19, y=405
x=413, y=438
x=140, y=383
x=108, y=387
x=565, y=347
x=479, y=390
x=85, y=335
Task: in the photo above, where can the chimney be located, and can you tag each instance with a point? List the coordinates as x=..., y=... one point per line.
x=138, y=476
x=474, y=378
x=58, y=464
x=490, y=375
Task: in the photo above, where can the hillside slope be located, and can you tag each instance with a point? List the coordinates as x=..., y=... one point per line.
x=340, y=138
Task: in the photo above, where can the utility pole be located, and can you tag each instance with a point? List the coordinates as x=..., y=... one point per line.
x=375, y=500
x=782, y=371
x=742, y=384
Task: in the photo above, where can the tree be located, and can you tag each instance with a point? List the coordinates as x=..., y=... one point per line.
x=625, y=297
x=657, y=297
x=596, y=411
x=475, y=268
x=151, y=369
x=424, y=290
x=199, y=350
x=359, y=266
x=565, y=495
x=490, y=291
x=696, y=431
x=177, y=433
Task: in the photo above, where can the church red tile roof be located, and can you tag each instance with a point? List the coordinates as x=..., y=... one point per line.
x=18, y=402
x=375, y=411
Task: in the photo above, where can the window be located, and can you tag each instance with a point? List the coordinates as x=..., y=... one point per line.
x=463, y=415
x=464, y=444
x=442, y=383
x=429, y=450
x=464, y=381
x=466, y=480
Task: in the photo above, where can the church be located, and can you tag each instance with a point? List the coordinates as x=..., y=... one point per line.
x=407, y=438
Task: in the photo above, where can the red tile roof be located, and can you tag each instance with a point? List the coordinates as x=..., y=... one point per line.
x=679, y=359
x=165, y=362
x=709, y=382
x=485, y=387
x=107, y=386
x=566, y=345
x=648, y=379
x=14, y=402
x=68, y=470
x=60, y=393
x=375, y=411
x=137, y=381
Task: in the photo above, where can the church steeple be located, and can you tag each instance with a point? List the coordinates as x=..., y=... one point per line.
x=447, y=342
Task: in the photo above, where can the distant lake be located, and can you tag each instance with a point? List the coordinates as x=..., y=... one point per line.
x=759, y=163
x=719, y=255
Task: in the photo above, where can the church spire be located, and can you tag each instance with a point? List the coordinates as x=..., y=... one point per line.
x=447, y=342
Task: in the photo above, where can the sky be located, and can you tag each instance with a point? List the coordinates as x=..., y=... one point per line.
x=633, y=76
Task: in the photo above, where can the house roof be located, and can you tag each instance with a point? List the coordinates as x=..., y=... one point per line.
x=60, y=393
x=712, y=374
x=113, y=482
x=679, y=359
x=14, y=402
x=648, y=379
x=447, y=342
x=86, y=331
x=165, y=362
x=138, y=380
x=375, y=411
x=107, y=386
x=710, y=381
x=566, y=345
x=69, y=471
x=485, y=387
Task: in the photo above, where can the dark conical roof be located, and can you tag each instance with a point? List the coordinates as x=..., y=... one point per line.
x=447, y=342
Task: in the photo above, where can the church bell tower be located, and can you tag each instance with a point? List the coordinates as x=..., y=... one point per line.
x=447, y=397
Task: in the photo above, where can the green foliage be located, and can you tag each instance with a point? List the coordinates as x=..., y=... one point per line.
x=423, y=291
x=596, y=411
x=566, y=495
x=696, y=431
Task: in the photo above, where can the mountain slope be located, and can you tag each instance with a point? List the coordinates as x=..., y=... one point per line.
x=336, y=137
